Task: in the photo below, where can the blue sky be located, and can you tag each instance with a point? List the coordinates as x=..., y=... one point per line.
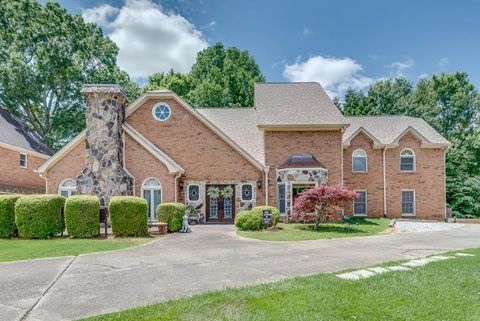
x=338, y=43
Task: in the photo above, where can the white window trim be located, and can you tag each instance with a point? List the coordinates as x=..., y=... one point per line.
x=414, y=203
x=155, y=107
x=253, y=192
x=414, y=161
x=152, y=188
x=366, y=204
x=188, y=193
x=366, y=160
x=26, y=160
x=69, y=190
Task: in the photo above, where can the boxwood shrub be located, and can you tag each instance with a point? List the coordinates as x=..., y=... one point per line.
x=82, y=216
x=249, y=221
x=128, y=215
x=7, y=215
x=252, y=220
x=172, y=214
x=39, y=216
x=274, y=210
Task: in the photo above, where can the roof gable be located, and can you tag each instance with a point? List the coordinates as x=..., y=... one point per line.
x=15, y=134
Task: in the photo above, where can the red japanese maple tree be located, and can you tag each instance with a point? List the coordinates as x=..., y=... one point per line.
x=314, y=202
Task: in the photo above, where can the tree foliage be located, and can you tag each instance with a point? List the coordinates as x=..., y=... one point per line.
x=314, y=202
x=46, y=56
x=219, y=78
x=450, y=103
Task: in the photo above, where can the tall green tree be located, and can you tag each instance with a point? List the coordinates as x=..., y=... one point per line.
x=219, y=78
x=46, y=56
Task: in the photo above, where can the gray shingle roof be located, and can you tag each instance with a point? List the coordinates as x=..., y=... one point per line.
x=15, y=132
x=386, y=129
x=240, y=125
x=295, y=104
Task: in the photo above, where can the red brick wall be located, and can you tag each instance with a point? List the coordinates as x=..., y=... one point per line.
x=142, y=165
x=12, y=175
x=68, y=167
x=326, y=146
x=201, y=152
x=372, y=181
x=428, y=180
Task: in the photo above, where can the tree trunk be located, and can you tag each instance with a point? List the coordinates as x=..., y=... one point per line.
x=317, y=219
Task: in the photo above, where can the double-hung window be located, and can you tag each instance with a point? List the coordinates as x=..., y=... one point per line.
x=359, y=161
x=408, y=202
x=407, y=160
x=23, y=161
x=281, y=200
x=360, y=204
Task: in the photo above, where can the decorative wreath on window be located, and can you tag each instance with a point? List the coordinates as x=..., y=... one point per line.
x=227, y=192
x=213, y=192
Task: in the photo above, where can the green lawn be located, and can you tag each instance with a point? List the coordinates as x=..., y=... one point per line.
x=16, y=249
x=444, y=290
x=298, y=232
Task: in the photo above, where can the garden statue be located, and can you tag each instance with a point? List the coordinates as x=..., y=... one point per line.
x=185, y=226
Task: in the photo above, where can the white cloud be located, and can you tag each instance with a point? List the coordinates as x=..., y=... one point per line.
x=399, y=68
x=336, y=75
x=150, y=39
x=442, y=63
x=422, y=76
x=306, y=31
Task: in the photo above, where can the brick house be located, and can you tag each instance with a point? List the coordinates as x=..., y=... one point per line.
x=220, y=161
x=21, y=152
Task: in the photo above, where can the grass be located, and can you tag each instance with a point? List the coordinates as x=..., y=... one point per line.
x=443, y=290
x=17, y=249
x=299, y=232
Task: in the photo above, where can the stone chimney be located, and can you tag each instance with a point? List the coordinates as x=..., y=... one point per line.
x=104, y=174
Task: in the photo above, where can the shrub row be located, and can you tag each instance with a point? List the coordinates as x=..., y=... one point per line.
x=129, y=216
x=172, y=214
x=252, y=220
x=39, y=216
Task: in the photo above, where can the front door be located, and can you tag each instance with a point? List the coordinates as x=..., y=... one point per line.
x=220, y=205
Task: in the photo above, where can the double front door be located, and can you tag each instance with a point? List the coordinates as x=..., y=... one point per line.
x=220, y=205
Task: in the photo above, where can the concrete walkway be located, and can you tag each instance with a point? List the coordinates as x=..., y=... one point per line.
x=211, y=257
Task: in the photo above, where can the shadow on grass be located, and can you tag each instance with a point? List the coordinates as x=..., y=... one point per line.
x=362, y=221
x=341, y=229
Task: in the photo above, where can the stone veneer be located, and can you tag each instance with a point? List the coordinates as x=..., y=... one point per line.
x=290, y=176
x=104, y=174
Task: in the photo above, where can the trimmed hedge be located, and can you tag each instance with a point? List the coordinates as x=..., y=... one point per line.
x=7, y=215
x=275, y=212
x=82, y=216
x=249, y=221
x=39, y=216
x=172, y=214
x=252, y=220
x=128, y=215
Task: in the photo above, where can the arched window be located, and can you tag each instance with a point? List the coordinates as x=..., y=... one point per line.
x=152, y=192
x=67, y=188
x=359, y=161
x=407, y=160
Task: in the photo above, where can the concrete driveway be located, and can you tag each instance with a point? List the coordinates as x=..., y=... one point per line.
x=210, y=258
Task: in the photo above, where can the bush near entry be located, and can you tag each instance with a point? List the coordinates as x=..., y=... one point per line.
x=7, y=215
x=128, y=215
x=82, y=216
x=172, y=214
x=252, y=220
x=39, y=216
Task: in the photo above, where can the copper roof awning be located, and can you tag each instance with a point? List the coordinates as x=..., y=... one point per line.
x=302, y=161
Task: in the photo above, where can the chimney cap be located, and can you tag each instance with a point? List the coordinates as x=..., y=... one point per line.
x=103, y=89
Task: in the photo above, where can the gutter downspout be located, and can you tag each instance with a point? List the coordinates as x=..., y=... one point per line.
x=445, y=180
x=266, y=170
x=384, y=183
x=176, y=186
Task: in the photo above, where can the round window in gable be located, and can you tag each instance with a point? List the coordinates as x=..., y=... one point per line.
x=161, y=111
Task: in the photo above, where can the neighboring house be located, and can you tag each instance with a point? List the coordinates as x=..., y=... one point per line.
x=162, y=149
x=21, y=152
